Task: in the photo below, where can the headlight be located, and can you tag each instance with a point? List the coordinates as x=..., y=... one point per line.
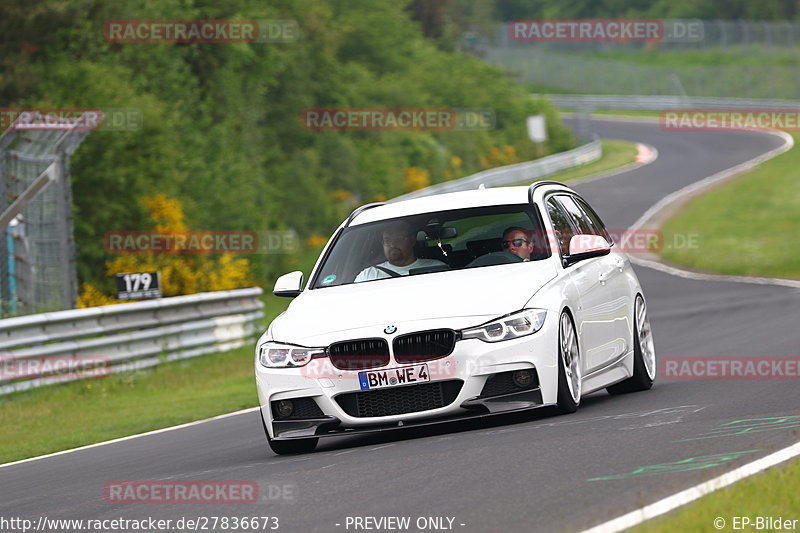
x=515, y=325
x=277, y=355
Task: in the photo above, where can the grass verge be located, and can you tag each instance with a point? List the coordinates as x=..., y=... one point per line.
x=735, y=56
x=75, y=414
x=773, y=493
x=627, y=113
x=616, y=154
x=747, y=227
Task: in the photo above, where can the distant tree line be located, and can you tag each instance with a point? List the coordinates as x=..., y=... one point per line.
x=221, y=122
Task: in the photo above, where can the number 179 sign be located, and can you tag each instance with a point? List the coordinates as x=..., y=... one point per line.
x=138, y=285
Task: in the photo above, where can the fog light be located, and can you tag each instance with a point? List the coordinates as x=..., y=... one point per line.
x=522, y=378
x=285, y=408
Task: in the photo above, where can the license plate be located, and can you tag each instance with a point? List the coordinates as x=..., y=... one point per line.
x=391, y=377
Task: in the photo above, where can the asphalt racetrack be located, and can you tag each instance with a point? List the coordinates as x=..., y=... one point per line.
x=536, y=472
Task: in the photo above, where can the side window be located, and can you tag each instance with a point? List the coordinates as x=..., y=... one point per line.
x=584, y=224
x=561, y=225
x=594, y=218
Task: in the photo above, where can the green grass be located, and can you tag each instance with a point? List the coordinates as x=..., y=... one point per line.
x=74, y=414
x=616, y=154
x=735, y=71
x=747, y=227
x=739, y=55
x=774, y=493
x=543, y=88
x=627, y=113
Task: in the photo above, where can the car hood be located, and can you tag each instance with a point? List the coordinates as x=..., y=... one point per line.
x=470, y=296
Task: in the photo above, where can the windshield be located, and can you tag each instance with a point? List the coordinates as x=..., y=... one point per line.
x=433, y=242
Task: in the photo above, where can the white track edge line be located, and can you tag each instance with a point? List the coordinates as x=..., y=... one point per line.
x=129, y=437
x=693, y=189
x=699, y=276
x=608, y=174
x=651, y=264
x=620, y=170
x=714, y=178
x=689, y=495
x=688, y=191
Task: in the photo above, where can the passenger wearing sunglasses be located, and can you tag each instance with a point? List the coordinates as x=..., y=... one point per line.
x=516, y=241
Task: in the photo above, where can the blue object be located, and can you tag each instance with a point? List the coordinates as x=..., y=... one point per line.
x=12, y=279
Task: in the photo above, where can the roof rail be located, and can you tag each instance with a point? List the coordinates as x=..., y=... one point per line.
x=360, y=210
x=538, y=184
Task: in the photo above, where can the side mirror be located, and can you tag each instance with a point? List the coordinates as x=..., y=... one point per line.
x=289, y=285
x=585, y=247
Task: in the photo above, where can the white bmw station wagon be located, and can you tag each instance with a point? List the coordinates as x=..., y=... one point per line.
x=453, y=306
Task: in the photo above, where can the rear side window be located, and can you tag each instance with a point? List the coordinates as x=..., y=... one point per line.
x=583, y=223
x=589, y=212
x=561, y=225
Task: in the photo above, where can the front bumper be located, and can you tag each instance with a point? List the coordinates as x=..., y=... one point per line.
x=472, y=363
x=330, y=426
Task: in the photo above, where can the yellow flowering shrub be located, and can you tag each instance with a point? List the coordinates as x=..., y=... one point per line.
x=180, y=273
x=498, y=157
x=316, y=241
x=416, y=178
x=341, y=195
x=167, y=213
x=453, y=169
x=90, y=296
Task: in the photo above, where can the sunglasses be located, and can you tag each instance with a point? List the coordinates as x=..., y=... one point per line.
x=396, y=239
x=516, y=242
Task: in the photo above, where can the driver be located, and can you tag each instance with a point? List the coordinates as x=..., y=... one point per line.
x=398, y=247
x=516, y=241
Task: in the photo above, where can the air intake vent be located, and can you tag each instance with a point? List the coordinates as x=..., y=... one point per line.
x=359, y=354
x=400, y=400
x=424, y=345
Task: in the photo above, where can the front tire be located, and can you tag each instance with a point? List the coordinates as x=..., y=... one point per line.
x=569, y=366
x=288, y=447
x=644, y=355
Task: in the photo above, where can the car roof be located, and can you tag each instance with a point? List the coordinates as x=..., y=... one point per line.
x=447, y=201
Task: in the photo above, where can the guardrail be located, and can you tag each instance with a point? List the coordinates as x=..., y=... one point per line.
x=521, y=172
x=126, y=336
x=588, y=102
x=143, y=334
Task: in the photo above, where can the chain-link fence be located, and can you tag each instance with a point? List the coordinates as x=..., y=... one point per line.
x=690, y=34
x=575, y=67
x=37, y=251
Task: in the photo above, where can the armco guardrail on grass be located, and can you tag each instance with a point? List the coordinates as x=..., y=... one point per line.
x=589, y=102
x=144, y=334
x=519, y=173
x=127, y=336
